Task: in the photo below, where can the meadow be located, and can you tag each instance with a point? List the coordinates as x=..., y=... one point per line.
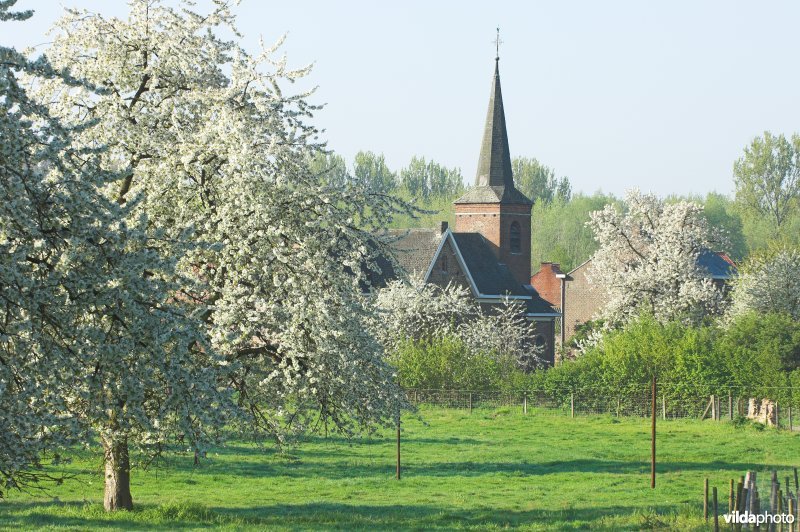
x=489, y=469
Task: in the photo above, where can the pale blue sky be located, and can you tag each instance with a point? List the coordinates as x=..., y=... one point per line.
x=659, y=95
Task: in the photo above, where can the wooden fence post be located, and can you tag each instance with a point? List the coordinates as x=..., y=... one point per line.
x=730, y=407
x=791, y=428
x=730, y=498
x=572, y=404
x=470, y=402
x=705, y=499
x=708, y=407
x=525, y=403
x=716, y=512
x=777, y=416
x=663, y=407
x=713, y=409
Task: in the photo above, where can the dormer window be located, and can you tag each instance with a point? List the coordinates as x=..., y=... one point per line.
x=515, y=238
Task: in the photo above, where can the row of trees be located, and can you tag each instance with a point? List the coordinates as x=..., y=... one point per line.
x=422, y=180
x=431, y=186
x=765, y=209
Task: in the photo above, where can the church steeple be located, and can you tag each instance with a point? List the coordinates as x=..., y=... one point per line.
x=494, y=164
x=494, y=181
x=494, y=207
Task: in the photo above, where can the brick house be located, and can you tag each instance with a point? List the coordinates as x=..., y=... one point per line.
x=579, y=301
x=489, y=249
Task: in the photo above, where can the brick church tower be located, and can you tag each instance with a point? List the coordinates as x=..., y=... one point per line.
x=494, y=207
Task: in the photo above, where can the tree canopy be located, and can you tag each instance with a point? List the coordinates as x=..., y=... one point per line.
x=767, y=177
x=206, y=141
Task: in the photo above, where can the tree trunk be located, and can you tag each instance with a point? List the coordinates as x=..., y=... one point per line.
x=118, y=475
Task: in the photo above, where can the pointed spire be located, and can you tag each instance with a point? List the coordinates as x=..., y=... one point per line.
x=494, y=164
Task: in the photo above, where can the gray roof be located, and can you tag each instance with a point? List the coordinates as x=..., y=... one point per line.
x=494, y=181
x=494, y=164
x=491, y=277
x=414, y=248
x=507, y=195
x=718, y=265
x=537, y=305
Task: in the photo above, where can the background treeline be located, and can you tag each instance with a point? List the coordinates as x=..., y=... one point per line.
x=763, y=211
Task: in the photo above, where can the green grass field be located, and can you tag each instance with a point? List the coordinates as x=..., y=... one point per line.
x=489, y=469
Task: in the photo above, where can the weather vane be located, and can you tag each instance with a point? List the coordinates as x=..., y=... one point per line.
x=497, y=42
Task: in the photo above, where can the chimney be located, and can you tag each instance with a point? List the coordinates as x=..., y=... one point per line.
x=443, y=227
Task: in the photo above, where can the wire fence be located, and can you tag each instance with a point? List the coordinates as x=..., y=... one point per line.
x=770, y=406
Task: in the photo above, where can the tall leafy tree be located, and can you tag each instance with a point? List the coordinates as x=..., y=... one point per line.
x=370, y=170
x=205, y=139
x=423, y=179
x=330, y=168
x=767, y=177
x=93, y=345
x=722, y=215
x=538, y=181
x=560, y=233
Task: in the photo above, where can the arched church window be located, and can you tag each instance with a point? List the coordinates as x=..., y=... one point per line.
x=515, y=237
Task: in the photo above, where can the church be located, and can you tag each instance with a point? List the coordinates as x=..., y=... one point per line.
x=489, y=249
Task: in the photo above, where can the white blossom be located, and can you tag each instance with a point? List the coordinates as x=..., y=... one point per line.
x=93, y=343
x=416, y=310
x=207, y=139
x=768, y=282
x=647, y=260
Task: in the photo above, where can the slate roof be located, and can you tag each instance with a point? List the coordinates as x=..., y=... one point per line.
x=494, y=180
x=491, y=277
x=413, y=250
x=494, y=164
x=537, y=305
x=501, y=194
x=718, y=264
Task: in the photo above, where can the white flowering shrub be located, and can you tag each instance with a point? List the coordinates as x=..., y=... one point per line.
x=414, y=311
x=768, y=282
x=647, y=260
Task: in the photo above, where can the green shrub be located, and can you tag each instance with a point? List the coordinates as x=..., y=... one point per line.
x=756, y=354
x=446, y=363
